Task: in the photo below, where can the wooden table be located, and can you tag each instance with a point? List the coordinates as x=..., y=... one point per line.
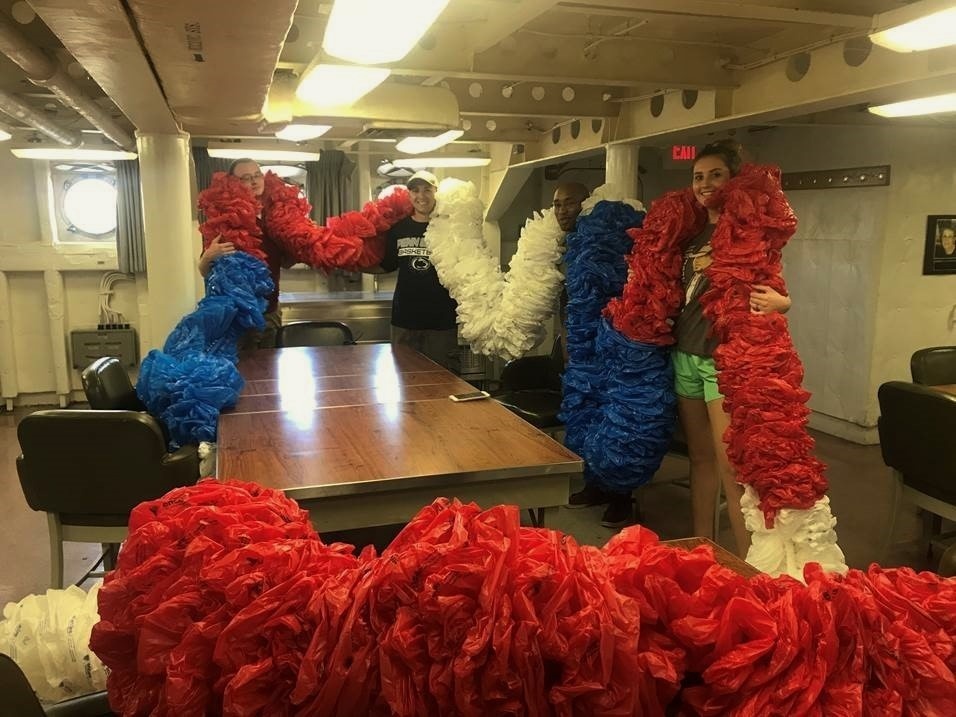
x=366, y=435
x=724, y=557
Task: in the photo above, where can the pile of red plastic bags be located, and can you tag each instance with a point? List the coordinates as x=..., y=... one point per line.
x=225, y=601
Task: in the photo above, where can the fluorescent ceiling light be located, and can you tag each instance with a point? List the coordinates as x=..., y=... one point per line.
x=65, y=153
x=4, y=136
x=339, y=85
x=276, y=155
x=302, y=132
x=431, y=162
x=286, y=171
x=932, y=30
x=417, y=145
x=369, y=32
x=922, y=106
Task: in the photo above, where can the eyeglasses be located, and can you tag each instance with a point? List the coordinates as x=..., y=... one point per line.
x=250, y=178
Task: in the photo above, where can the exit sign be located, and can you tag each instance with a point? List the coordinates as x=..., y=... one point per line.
x=683, y=151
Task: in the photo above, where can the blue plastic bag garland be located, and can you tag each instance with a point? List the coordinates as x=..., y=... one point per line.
x=619, y=402
x=194, y=377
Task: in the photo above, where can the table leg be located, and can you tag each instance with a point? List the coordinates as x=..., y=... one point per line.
x=540, y=517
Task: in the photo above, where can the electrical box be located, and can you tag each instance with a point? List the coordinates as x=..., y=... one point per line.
x=90, y=345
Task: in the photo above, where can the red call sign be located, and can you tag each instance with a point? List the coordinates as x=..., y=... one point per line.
x=683, y=151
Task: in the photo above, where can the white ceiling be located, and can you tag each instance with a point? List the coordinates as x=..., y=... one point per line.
x=208, y=67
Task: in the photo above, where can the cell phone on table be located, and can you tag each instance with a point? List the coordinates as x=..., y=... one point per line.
x=471, y=396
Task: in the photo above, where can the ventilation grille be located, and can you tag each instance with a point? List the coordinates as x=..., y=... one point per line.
x=399, y=130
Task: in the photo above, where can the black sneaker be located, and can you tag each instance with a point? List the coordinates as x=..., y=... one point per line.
x=588, y=496
x=620, y=511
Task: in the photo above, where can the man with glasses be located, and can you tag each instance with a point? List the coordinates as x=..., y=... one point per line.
x=249, y=173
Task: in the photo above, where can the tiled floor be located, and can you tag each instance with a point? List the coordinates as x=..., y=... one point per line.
x=860, y=493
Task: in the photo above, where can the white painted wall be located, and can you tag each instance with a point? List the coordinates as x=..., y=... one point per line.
x=29, y=353
x=854, y=267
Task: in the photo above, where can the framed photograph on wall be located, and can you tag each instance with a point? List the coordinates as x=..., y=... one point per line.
x=939, y=255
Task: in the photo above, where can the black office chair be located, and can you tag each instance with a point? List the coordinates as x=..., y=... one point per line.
x=107, y=386
x=531, y=388
x=88, y=469
x=934, y=366
x=916, y=439
x=314, y=333
x=19, y=699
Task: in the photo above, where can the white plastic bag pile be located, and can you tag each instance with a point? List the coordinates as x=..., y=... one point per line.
x=48, y=636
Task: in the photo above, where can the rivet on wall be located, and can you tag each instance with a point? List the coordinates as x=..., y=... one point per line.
x=878, y=176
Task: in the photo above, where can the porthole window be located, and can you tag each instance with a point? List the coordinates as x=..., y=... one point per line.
x=89, y=206
x=84, y=202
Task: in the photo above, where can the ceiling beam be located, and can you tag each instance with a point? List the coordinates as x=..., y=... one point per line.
x=523, y=99
x=612, y=64
x=503, y=23
x=718, y=9
x=101, y=37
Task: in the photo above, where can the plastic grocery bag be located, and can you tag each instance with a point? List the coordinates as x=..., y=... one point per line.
x=48, y=636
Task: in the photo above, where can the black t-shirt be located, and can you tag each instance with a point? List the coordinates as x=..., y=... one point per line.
x=420, y=302
x=692, y=328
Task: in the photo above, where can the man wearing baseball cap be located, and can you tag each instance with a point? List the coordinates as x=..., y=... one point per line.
x=423, y=313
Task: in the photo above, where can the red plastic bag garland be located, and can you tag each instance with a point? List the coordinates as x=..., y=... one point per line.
x=231, y=210
x=759, y=372
x=225, y=602
x=354, y=240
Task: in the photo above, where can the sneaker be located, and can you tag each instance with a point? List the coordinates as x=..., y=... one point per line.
x=620, y=511
x=588, y=496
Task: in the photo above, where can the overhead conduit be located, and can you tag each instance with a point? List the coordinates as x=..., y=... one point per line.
x=12, y=106
x=44, y=72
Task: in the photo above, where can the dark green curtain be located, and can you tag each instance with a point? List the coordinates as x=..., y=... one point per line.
x=329, y=181
x=206, y=166
x=130, y=236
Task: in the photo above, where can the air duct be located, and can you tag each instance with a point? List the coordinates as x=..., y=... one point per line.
x=12, y=106
x=44, y=72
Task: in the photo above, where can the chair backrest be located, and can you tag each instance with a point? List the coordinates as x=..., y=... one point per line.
x=917, y=426
x=314, y=333
x=934, y=366
x=534, y=373
x=107, y=386
x=97, y=463
x=18, y=696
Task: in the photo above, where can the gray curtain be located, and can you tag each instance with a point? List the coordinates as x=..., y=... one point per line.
x=206, y=166
x=130, y=236
x=329, y=181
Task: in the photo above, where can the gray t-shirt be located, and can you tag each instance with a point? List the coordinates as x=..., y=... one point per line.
x=692, y=328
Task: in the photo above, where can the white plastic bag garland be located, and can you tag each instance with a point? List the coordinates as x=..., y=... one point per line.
x=797, y=537
x=498, y=314
x=48, y=636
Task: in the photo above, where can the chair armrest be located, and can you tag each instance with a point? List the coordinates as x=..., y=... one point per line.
x=182, y=466
x=92, y=705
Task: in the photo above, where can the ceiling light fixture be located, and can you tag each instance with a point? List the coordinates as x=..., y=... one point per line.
x=417, y=145
x=4, y=136
x=369, y=32
x=338, y=85
x=66, y=154
x=302, y=132
x=921, y=106
x=919, y=26
x=433, y=162
x=275, y=155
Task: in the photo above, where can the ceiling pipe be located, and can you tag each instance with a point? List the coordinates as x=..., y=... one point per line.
x=12, y=106
x=43, y=71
